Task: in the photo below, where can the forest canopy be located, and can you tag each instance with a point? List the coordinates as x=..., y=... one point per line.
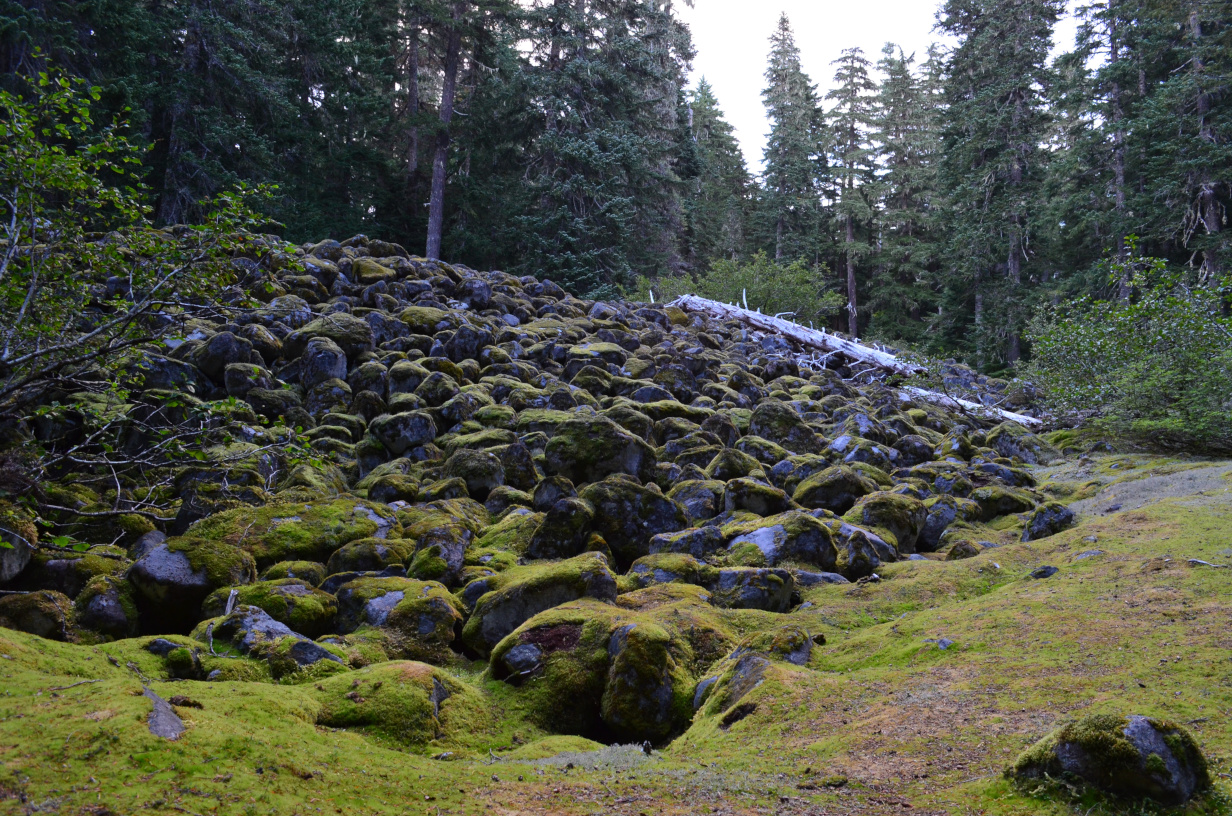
x=945, y=198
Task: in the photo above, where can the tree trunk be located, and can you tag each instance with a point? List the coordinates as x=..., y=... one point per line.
x=853, y=323
x=412, y=102
x=1207, y=203
x=778, y=239
x=436, y=204
x=1118, y=143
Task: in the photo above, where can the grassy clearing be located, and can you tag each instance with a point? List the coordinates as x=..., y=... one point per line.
x=880, y=719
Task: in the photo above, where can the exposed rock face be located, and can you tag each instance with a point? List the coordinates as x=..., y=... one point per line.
x=595, y=496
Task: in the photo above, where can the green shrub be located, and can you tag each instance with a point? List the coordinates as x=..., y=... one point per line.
x=1156, y=367
x=796, y=288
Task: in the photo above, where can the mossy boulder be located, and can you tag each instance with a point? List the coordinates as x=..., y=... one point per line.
x=835, y=489
x=106, y=607
x=310, y=572
x=18, y=532
x=587, y=449
x=942, y=512
x=421, y=618
x=1012, y=440
x=618, y=687
x=516, y=595
x=513, y=532
x=400, y=433
x=701, y=499
x=1130, y=757
x=369, y=555
x=781, y=424
x=174, y=577
x=648, y=693
x=755, y=496
x=769, y=590
x=668, y=567
x=629, y=515
x=1048, y=519
x=903, y=517
x=995, y=500
x=793, y=536
x=305, y=610
x=410, y=703
x=481, y=471
x=45, y=613
x=295, y=531
x=351, y=334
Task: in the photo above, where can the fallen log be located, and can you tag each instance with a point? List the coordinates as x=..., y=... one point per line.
x=946, y=401
x=833, y=344
x=810, y=338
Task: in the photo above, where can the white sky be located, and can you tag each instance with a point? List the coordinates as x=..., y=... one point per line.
x=732, y=40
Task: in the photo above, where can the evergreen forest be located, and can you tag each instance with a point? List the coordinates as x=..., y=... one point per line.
x=941, y=200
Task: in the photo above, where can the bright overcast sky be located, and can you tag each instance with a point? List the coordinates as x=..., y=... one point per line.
x=732, y=39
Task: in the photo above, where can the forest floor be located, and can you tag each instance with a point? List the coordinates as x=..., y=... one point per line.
x=930, y=682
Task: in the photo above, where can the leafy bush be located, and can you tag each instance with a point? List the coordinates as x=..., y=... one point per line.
x=796, y=288
x=83, y=276
x=1156, y=368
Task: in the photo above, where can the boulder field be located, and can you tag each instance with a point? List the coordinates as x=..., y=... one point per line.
x=611, y=509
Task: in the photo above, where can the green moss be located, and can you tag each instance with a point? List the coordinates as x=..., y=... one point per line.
x=291, y=601
x=512, y=533
x=222, y=563
x=410, y=704
x=308, y=531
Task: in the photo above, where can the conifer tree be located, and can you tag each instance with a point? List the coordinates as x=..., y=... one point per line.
x=993, y=165
x=906, y=121
x=795, y=157
x=854, y=165
x=717, y=195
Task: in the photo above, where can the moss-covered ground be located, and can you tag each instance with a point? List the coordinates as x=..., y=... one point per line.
x=881, y=720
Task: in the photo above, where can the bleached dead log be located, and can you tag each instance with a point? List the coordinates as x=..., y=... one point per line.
x=945, y=401
x=833, y=344
x=809, y=338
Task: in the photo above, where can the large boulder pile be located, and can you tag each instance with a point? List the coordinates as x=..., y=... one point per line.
x=582, y=493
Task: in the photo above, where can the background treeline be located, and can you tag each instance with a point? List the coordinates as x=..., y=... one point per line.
x=940, y=200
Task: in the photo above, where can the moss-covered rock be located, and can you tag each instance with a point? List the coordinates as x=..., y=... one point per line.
x=481, y=471
x=942, y=512
x=1048, y=519
x=513, y=533
x=516, y=595
x=903, y=517
x=174, y=577
x=629, y=515
x=779, y=423
x=701, y=499
x=995, y=500
x=305, y=610
x=1132, y=757
x=421, y=618
x=45, y=613
x=412, y=704
x=754, y=496
x=310, y=572
x=1012, y=440
x=793, y=536
x=107, y=607
x=307, y=531
x=587, y=449
x=835, y=489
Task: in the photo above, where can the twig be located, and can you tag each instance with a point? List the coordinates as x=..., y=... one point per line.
x=74, y=685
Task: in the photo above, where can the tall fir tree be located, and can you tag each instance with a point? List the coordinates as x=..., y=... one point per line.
x=854, y=167
x=993, y=165
x=717, y=198
x=907, y=118
x=795, y=156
